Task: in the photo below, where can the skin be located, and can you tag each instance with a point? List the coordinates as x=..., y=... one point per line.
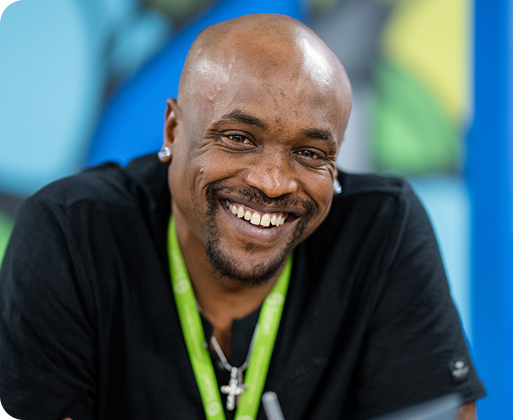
x=261, y=112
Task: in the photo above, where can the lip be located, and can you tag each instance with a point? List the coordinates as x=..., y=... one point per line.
x=293, y=210
x=256, y=233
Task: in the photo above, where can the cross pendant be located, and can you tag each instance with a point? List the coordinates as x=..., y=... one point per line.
x=233, y=389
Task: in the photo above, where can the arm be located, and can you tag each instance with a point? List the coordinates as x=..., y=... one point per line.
x=414, y=337
x=466, y=412
x=47, y=360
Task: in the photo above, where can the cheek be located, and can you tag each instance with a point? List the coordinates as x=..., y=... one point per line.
x=216, y=165
x=190, y=175
x=323, y=196
x=182, y=177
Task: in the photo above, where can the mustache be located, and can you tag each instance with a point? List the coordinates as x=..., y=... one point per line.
x=257, y=196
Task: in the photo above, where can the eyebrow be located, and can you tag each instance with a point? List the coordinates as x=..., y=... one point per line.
x=240, y=116
x=320, y=134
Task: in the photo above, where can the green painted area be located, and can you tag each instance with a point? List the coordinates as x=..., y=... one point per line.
x=411, y=133
x=5, y=233
x=179, y=11
x=321, y=5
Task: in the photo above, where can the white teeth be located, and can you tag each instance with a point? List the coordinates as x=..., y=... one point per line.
x=255, y=219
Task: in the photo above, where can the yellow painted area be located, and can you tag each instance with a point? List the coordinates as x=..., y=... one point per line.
x=431, y=39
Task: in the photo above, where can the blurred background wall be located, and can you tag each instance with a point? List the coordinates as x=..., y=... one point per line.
x=85, y=81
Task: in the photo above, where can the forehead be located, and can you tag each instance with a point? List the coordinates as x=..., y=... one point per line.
x=279, y=72
x=289, y=90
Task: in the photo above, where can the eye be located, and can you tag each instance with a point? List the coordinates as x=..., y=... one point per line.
x=309, y=154
x=313, y=158
x=240, y=139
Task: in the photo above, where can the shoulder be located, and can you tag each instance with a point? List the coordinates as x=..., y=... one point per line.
x=100, y=202
x=357, y=184
x=374, y=223
x=372, y=187
x=105, y=184
x=374, y=199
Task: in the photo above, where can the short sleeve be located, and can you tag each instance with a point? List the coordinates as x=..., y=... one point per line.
x=47, y=339
x=414, y=349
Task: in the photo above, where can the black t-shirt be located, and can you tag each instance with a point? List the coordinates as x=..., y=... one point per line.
x=89, y=328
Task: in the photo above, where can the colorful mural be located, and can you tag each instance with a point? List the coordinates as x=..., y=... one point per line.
x=422, y=87
x=5, y=231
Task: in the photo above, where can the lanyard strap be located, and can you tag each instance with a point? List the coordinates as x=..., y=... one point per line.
x=263, y=339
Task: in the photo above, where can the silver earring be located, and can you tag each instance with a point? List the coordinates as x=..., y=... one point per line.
x=337, y=187
x=164, y=153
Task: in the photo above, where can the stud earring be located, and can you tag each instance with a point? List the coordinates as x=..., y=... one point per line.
x=337, y=187
x=164, y=153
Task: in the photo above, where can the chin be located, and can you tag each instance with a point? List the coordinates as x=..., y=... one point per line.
x=228, y=267
x=237, y=250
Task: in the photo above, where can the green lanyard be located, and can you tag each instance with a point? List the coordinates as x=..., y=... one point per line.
x=192, y=329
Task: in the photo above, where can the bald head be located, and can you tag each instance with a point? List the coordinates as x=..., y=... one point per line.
x=268, y=46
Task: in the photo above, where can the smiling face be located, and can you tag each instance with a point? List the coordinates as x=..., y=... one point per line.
x=254, y=137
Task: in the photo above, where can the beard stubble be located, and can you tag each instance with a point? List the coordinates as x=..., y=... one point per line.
x=224, y=264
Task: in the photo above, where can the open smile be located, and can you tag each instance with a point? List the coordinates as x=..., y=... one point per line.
x=267, y=220
x=259, y=223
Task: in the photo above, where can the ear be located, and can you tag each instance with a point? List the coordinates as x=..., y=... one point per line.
x=172, y=119
x=337, y=189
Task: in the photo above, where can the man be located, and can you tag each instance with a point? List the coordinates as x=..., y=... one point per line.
x=247, y=194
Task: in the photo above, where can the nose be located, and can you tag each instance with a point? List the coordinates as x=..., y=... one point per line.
x=273, y=175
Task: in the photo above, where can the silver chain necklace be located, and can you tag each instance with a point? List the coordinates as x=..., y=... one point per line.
x=235, y=386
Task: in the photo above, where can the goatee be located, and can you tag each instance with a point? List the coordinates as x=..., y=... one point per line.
x=224, y=264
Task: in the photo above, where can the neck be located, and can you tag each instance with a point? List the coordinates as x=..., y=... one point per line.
x=221, y=304
x=221, y=299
